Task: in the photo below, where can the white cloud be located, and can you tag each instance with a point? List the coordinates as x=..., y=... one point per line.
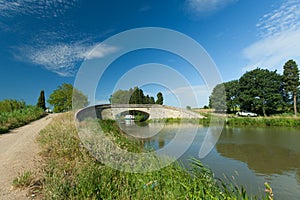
x=279, y=31
x=62, y=58
x=285, y=18
x=100, y=51
x=203, y=7
x=38, y=8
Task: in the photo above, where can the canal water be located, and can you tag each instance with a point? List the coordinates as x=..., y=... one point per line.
x=243, y=156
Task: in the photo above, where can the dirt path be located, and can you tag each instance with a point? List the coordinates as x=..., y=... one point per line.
x=18, y=152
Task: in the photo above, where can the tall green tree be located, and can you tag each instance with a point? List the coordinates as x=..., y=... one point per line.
x=217, y=99
x=160, y=98
x=62, y=98
x=291, y=81
x=232, y=91
x=41, y=101
x=260, y=91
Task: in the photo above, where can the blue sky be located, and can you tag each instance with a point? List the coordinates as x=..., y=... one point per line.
x=44, y=42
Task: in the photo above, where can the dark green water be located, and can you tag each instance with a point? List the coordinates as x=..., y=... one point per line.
x=245, y=156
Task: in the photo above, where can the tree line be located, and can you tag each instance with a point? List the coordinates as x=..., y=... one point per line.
x=261, y=91
x=66, y=97
x=134, y=96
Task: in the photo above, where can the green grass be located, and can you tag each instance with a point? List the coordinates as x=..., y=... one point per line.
x=23, y=180
x=264, y=121
x=70, y=172
x=19, y=117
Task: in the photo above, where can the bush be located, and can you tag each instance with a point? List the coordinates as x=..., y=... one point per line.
x=19, y=117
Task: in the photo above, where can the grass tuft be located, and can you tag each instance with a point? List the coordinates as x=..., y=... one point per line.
x=23, y=180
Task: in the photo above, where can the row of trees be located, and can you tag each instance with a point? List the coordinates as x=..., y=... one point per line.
x=134, y=96
x=260, y=90
x=63, y=98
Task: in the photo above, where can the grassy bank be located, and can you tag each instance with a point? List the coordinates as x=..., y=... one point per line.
x=69, y=172
x=264, y=121
x=18, y=117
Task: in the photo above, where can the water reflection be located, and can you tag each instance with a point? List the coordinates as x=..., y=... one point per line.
x=269, y=152
x=257, y=154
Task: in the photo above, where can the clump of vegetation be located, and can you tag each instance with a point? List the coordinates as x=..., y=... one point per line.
x=23, y=180
x=264, y=121
x=66, y=97
x=9, y=105
x=14, y=114
x=70, y=172
x=134, y=96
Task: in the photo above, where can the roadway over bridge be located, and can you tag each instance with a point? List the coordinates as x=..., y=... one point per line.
x=155, y=111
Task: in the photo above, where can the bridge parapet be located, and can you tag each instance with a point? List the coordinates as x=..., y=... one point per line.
x=155, y=111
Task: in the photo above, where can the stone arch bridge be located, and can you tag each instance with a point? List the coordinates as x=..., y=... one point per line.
x=155, y=111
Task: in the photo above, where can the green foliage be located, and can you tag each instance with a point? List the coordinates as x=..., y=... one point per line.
x=121, y=97
x=291, y=80
x=41, y=101
x=131, y=96
x=232, y=92
x=23, y=180
x=71, y=173
x=264, y=121
x=260, y=91
x=205, y=107
x=217, y=99
x=137, y=97
x=160, y=99
x=65, y=96
x=9, y=105
x=20, y=117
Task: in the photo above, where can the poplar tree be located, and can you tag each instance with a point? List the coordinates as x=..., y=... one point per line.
x=291, y=81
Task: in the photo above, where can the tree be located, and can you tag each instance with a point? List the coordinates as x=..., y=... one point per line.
x=151, y=101
x=61, y=98
x=160, y=98
x=260, y=91
x=291, y=81
x=217, y=99
x=232, y=91
x=120, y=97
x=41, y=101
x=131, y=96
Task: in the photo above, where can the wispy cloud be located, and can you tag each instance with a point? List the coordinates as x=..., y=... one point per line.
x=63, y=58
x=100, y=51
x=279, y=40
x=206, y=7
x=285, y=18
x=38, y=8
